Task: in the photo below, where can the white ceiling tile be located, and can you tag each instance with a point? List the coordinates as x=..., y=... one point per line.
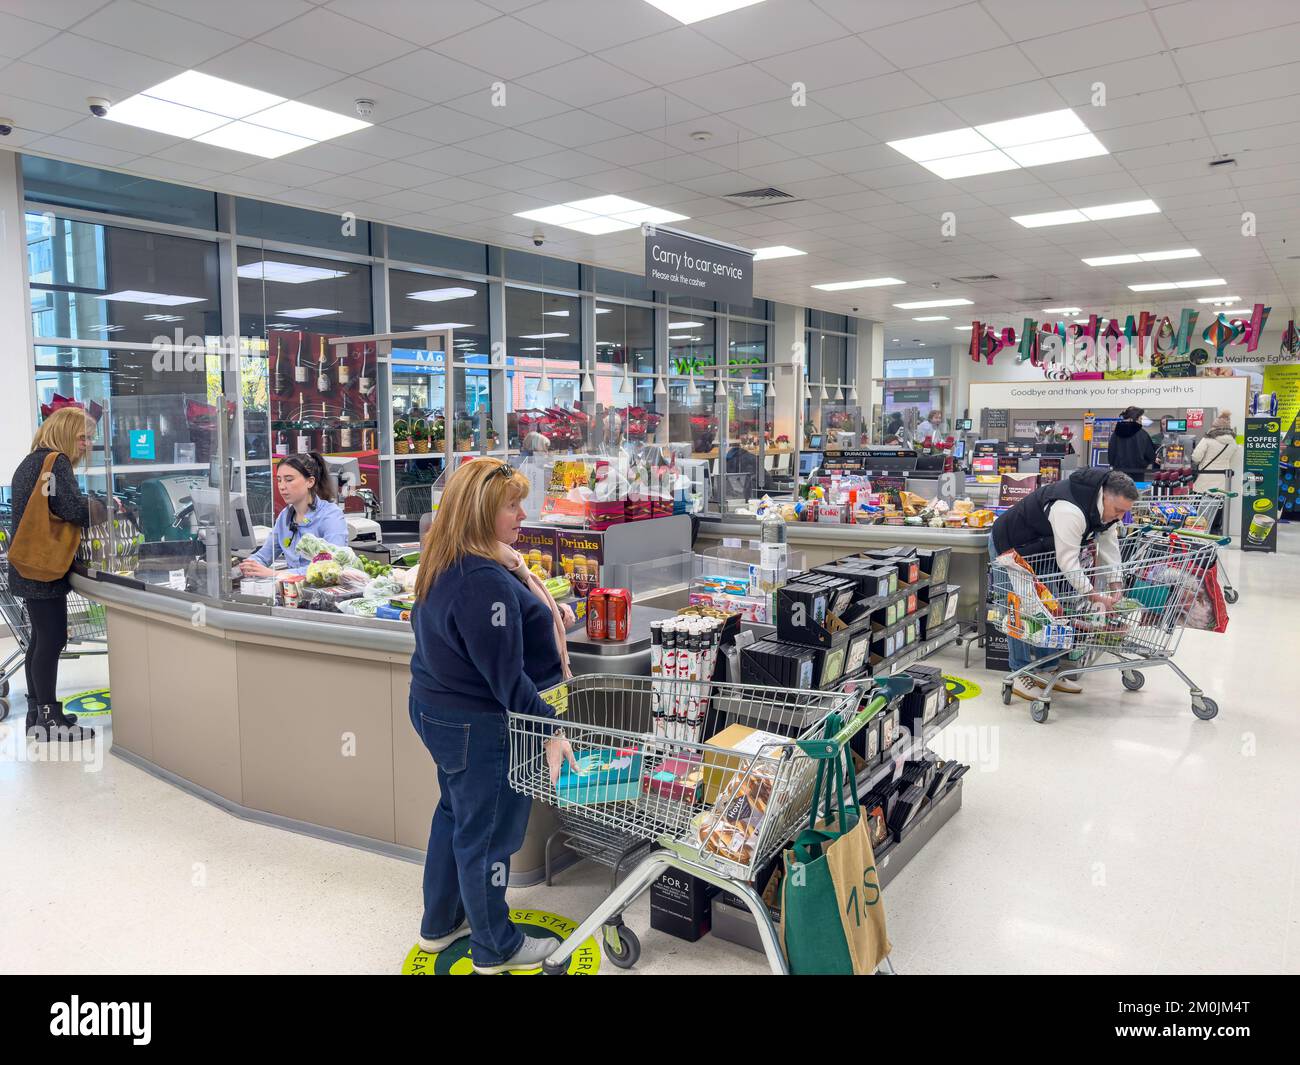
x=889, y=92
x=333, y=157
x=155, y=33
x=560, y=191
x=508, y=145
x=1126, y=38
x=421, y=22
x=412, y=200
x=396, y=174
x=1246, y=87
x=459, y=212
x=510, y=203
x=337, y=42
x=283, y=171
x=352, y=187
x=1130, y=110
x=453, y=189
x=508, y=105
x=507, y=48
x=1148, y=134
x=821, y=140
x=1202, y=21
x=791, y=170
x=747, y=153
x=310, y=198
x=1030, y=98
x=131, y=71
x=265, y=68
x=1246, y=51
x=116, y=135
x=651, y=109
x=451, y=159
x=619, y=21
x=244, y=18
x=669, y=57
x=933, y=38
x=633, y=148
x=823, y=66
x=79, y=150
x=813, y=189
x=738, y=86
x=1250, y=116
x=246, y=186
x=975, y=73
x=682, y=167
x=910, y=122
x=173, y=171
x=513, y=179
x=429, y=76
x=723, y=184
x=780, y=116
x=1257, y=142
x=60, y=13
x=583, y=81
x=50, y=87
x=618, y=181
x=1027, y=19
x=1117, y=80
x=442, y=125
x=766, y=29
x=343, y=94
x=18, y=36
x=859, y=17
x=36, y=117
x=384, y=143
x=566, y=164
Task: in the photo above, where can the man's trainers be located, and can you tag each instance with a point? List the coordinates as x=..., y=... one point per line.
x=1027, y=688
x=1069, y=686
x=530, y=955
x=437, y=946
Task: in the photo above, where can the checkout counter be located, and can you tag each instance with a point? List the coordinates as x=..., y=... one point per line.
x=200, y=699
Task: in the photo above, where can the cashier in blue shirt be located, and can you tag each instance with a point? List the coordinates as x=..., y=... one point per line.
x=308, y=491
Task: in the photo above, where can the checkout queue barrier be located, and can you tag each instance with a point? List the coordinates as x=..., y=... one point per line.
x=200, y=700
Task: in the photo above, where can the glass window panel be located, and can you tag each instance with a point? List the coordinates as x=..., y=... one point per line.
x=473, y=424
x=692, y=302
x=414, y=483
x=161, y=284
x=617, y=283
x=625, y=336
x=321, y=296
x=442, y=301
x=294, y=225
x=544, y=324
x=541, y=270
x=71, y=185
x=409, y=245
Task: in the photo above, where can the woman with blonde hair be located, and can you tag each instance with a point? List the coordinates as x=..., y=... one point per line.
x=62, y=442
x=488, y=636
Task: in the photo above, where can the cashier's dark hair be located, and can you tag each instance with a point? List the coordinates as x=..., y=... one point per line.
x=311, y=464
x=1131, y=414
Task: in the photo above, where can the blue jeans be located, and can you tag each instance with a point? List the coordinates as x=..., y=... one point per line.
x=1019, y=653
x=479, y=823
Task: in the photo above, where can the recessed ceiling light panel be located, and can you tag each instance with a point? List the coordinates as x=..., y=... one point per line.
x=441, y=295
x=922, y=304
x=688, y=11
x=777, y=251
x=161, y=116
x=254, y=140
x=307, y=312
x=871, y=282
x=158, y=299
x=221, y=97
x=286, y=273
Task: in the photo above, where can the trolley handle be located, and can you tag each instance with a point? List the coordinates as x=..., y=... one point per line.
x=888, y=689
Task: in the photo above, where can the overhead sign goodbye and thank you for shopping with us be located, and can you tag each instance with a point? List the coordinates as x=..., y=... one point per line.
x=692, y=266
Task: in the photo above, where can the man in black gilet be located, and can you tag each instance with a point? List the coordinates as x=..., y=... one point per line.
x=1063, y=518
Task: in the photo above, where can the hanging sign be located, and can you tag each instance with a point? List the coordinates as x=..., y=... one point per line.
x=691, y=266
x=1195, y=417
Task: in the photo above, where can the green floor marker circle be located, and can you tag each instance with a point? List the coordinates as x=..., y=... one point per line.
x=455, y=959
x=95, y=703
x=960, y=687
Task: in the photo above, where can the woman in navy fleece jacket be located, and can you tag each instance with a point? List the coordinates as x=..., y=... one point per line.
x=485, y=642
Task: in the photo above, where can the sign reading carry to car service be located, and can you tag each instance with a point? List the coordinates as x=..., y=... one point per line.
x=691, y=266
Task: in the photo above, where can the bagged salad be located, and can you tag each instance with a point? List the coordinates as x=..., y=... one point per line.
x=312, y=545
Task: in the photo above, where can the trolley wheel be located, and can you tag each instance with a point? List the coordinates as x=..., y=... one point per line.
x=622, y=947
x=552, y=969
x=1132, y=679
x=1230, y=595
x=1204, y=707
x=4, y=687
x=4, y=709
x=1038, y=710
x=1006, y=694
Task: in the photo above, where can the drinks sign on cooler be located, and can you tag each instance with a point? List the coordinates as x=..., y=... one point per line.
x=1259, y=492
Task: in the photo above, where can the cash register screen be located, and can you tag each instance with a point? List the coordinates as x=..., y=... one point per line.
x=809, y=461
x=1175, y=425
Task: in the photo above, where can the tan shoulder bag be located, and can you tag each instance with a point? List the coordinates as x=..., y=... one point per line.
x=44, y=544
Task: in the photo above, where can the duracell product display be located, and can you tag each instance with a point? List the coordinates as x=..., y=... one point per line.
x=683, y=652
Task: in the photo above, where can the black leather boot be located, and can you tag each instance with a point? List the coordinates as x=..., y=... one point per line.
x=50, y=726
x=68, y=719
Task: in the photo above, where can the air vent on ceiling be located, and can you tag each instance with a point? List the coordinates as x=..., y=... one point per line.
x=760, y=198
x=975, y=279
x=1227, y=160
x=1038, y=299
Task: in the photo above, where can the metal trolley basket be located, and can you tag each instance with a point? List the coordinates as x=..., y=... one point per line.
x=1193, y=514
x=698, y=830
x=1160, y=577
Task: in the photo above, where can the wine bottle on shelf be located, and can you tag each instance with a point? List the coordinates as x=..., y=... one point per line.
x=279, y=379
x=281, y=442
x=303, y=440
x=345, y=373
x=365, y=384
x=300, y=367
x=323, y=383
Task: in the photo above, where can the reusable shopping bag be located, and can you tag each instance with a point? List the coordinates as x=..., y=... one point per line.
x=832, y=909
x=44, y=544
x=1209, y=610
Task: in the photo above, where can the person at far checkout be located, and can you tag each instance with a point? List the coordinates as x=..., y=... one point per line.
x=1064, y=518
x=307, y=488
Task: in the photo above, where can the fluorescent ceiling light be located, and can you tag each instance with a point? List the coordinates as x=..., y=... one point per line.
x=1161, y=256
x=777, y=251
x=1082, y=321
x=307, y=312
x=163, y=117
x=596, y=226
x=1051, y=125
x=557, y=314
x=1219, y=299
x=559, y=215
x=254, y=140
x=684, y=325
x=1084, y=146
x=942, y=145
x=287, y=273
x=1113, y=260
x=688, y=11
x=970, y=165
x=1062, y=310
x=530, y=349
x=1087, y=214
x=1158, y=285
x=217, y=95
x=654, y=216
x=541, y=336
x=164, y=317
x=872, y=282
x=446, y=325
x=964, y=328
x=160, y=299
x=922, y=304
x=439, y=295
x=932, y=318
x=303, y=120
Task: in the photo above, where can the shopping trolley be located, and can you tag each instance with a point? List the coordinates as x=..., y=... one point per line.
x=713, y=812
x=1191, y=515
x=1159, y=578
x=86, y=627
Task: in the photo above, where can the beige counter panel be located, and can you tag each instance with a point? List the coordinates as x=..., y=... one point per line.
x=415, y=778
x=133, y=725
x=296, y=712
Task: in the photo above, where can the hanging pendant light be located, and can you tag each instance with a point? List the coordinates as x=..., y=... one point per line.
x=770, y=391
x=626, y=386
x=824, y=394
x=853, y=393
x=691, y=388
x=661, y=388
x=588, y=385
x=839, y=393
x=807, y=390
